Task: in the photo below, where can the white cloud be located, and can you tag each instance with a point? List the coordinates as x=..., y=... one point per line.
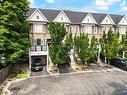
x=124, y=8
x=123, y=3
x=103, y=7
x=104, y=4
x=50, y=1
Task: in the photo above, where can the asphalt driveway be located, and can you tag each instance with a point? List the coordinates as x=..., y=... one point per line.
x=39, y=73
x=91, y=83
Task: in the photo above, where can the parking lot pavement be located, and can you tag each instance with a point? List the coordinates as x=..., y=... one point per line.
x=91, y=83
x=39, y=73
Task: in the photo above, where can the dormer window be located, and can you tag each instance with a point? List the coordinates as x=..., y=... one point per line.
x=106, y=21
x=88, y=20
x=37, y=17
x=61, y=18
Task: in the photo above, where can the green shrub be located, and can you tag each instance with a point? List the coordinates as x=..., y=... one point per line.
x=12, y=75
x=20, y=74
x=23, y=71
x=1, y=89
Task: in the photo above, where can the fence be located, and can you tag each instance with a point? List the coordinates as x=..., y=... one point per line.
x=4, y=73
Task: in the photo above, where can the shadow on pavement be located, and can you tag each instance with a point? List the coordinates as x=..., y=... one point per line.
x=120, y=89
x=39, y=73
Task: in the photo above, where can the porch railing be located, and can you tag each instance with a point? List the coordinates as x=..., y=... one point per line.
x=39, y=48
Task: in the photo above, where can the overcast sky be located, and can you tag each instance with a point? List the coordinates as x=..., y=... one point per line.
x=105, y=6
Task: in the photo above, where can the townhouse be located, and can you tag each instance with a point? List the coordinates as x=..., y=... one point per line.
x=75, y=22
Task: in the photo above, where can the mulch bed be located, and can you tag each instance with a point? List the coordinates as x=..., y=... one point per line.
x=65, y=68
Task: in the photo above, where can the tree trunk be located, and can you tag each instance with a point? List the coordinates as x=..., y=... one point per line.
x=86, y=63
x=105, y=60
x=123, y=54
x=109, y=62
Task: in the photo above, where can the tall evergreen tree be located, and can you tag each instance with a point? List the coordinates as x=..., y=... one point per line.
x=103, y=42
x=124, y=44
x=83, y=48
x=14, y=31
x=60, y=45
x=93, y=48
x=110, y=44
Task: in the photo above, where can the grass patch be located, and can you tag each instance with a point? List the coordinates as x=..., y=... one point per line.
x=19, y=74
x=81, y=68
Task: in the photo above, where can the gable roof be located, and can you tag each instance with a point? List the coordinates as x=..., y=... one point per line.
x=98, y=17
x=66, y=17
x=50, y=14
x=30, y=12
x=89, y=15
x=75, y=17
x=116, y=18
x=105, y=22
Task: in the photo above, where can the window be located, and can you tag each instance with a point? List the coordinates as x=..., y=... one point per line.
x=82, y=29
x=88, y=29
x=38, y=28
x=76, y=29
x=31, y=28
x=61, y=18
x=70, y=28
x=106, y=20
x=43, y=41
x=37, y=17
x=88, y=20
x=93, y=30
x=38, y=42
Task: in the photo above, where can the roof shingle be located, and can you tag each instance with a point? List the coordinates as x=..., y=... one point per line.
x=75, y=17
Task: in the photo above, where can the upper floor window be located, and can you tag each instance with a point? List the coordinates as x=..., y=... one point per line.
x=76, y=29
x=106, y=20
x=61, y=18
x=82, y=29
x=38, y=28
x=38, y=42
x=70, y=29
x=37, y=17
x=88, y=29
x=88, y=20
x=95, y=30
x=31, y=27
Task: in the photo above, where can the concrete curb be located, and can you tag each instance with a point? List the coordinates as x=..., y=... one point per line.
x=8, y=83
x=80, y=72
